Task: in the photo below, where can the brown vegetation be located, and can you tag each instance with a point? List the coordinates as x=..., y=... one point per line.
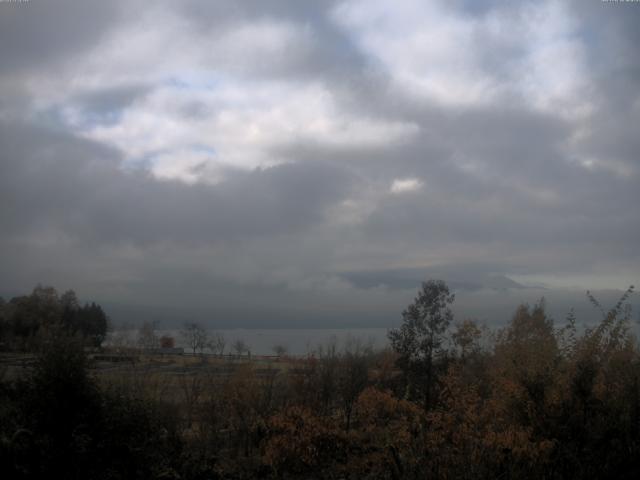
x=527, y=401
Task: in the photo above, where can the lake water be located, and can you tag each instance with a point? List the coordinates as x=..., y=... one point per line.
x=296, y=341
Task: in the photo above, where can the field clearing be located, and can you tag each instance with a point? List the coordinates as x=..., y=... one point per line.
x=103, y=366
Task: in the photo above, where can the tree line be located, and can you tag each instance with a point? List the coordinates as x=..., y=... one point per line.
x=448, y=399
x=27, y=320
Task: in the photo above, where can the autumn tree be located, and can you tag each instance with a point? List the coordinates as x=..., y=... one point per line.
x=352, y=375
x=527, y=354
x=324, y=375
x=386, y=440
x=318, y=449
x=469, y=437
x=466, y=338
x=600, y=432
x=241, y=395
x=419, y=340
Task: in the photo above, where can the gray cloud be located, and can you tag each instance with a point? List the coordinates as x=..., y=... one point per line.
x=504, y=188
x=103, y=104
x=44, y=33
x=53, y=180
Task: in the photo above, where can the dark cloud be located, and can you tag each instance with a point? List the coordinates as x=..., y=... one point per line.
x=505, y=188
x=104, y=103
x=41, y=33
x=55, y=181
x=467, y=277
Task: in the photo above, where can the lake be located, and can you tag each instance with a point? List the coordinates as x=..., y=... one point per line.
x=263, y=341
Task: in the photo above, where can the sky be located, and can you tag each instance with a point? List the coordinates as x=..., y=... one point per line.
x=287, y=163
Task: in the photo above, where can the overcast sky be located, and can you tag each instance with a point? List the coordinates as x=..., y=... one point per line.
x=296, y=163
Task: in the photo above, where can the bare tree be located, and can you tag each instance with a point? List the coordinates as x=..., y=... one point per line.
x=240, y=347
x=147, y=337
x=122, y=338
x=195, y=336
x=217, y=343
x=327, y=374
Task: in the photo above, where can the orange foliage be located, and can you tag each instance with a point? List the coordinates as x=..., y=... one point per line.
x=468, y=436
x=300, y=441
x=387, y=438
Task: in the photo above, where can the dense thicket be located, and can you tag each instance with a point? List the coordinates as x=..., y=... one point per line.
x=530, y=400
x=57, y=423
x=27, y=320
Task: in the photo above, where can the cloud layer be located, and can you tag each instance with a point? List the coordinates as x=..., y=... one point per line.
x=274, y=163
